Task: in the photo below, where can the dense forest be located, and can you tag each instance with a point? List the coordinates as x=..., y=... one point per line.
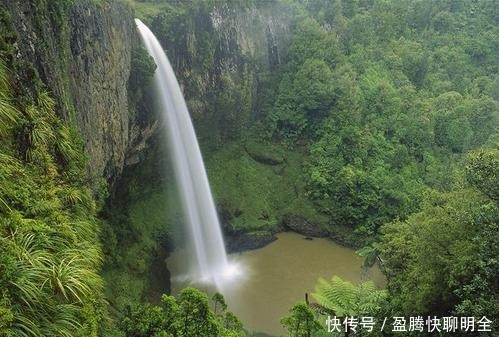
x=373, y=123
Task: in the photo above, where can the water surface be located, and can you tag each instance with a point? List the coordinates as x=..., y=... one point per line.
x=277, y=276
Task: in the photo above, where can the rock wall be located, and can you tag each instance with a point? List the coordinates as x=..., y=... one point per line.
x=81, y=53
x=222, y=55
x=100, y=41
x=259, y=32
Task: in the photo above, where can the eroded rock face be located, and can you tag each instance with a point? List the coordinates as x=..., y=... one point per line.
x=250, y=240
x=222, y=55
x=100, y=41
x=301, y=225
x=81, y=52
x=260, y=32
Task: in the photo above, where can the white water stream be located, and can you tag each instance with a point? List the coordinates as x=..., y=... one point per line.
x=206, y=241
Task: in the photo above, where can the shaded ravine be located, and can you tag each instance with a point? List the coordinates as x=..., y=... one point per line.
x=207, y=256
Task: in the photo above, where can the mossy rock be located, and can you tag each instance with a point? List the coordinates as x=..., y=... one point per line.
x=299, y=224
x=249, y=240
x=269, y=154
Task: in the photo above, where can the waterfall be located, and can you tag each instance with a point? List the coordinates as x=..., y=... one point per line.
x=205, y=234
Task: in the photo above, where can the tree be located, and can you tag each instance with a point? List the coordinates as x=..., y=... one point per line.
x=188, y=315
x=483, y=116
x=218, y=300
x=443, y=259
x=304, y=98
x=145, y=321
x=301, y=322
x=196, y=319
x=312, y=88
x=312, y=41
x=482, y=171
x=452, y=130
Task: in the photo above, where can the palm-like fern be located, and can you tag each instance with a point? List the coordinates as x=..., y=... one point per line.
x=370, y=253
x=38, y=132
x=49, y=246
x=8, y=113
x=337, y=295
x=342, y=298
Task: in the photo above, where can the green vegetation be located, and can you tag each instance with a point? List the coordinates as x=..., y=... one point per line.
x=189, y=315
x=443, y=259
x=49, y=237
x=137, y=231
x=238, y=173
x=410, y=99
x=301, y=322
x=341, y=298
x=365, y=113
x=378, y=127
x=141, y=70
x=336, y=298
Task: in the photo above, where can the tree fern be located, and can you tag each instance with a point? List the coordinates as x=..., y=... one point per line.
x=344, y=299
x=337, y=295
x=370, y=254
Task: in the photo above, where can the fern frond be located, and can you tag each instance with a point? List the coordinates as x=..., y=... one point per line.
x=345, y=299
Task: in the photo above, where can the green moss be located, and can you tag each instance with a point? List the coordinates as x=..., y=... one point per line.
x=148, y=213
x=139, y=236
x=145, y=9
x=256, y=196
x=243, y=187
x=265, y=153
x=138, y=228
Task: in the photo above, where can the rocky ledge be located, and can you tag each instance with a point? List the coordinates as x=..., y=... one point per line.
x=247, y=241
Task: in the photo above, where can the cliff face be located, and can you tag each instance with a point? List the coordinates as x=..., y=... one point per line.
x=81, y=52
x=260, y=32
x=100, y=42
x=223, y=54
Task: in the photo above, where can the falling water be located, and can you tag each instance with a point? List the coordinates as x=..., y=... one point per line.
x=199, y=209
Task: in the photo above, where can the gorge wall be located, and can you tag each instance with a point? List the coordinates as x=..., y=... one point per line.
x=80, y=53
x=229, y=58
x=223, y=54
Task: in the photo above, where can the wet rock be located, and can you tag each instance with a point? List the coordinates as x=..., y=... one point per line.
x=298, y=224
x=263, y=155
x=249, y=240
x=83, y=59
